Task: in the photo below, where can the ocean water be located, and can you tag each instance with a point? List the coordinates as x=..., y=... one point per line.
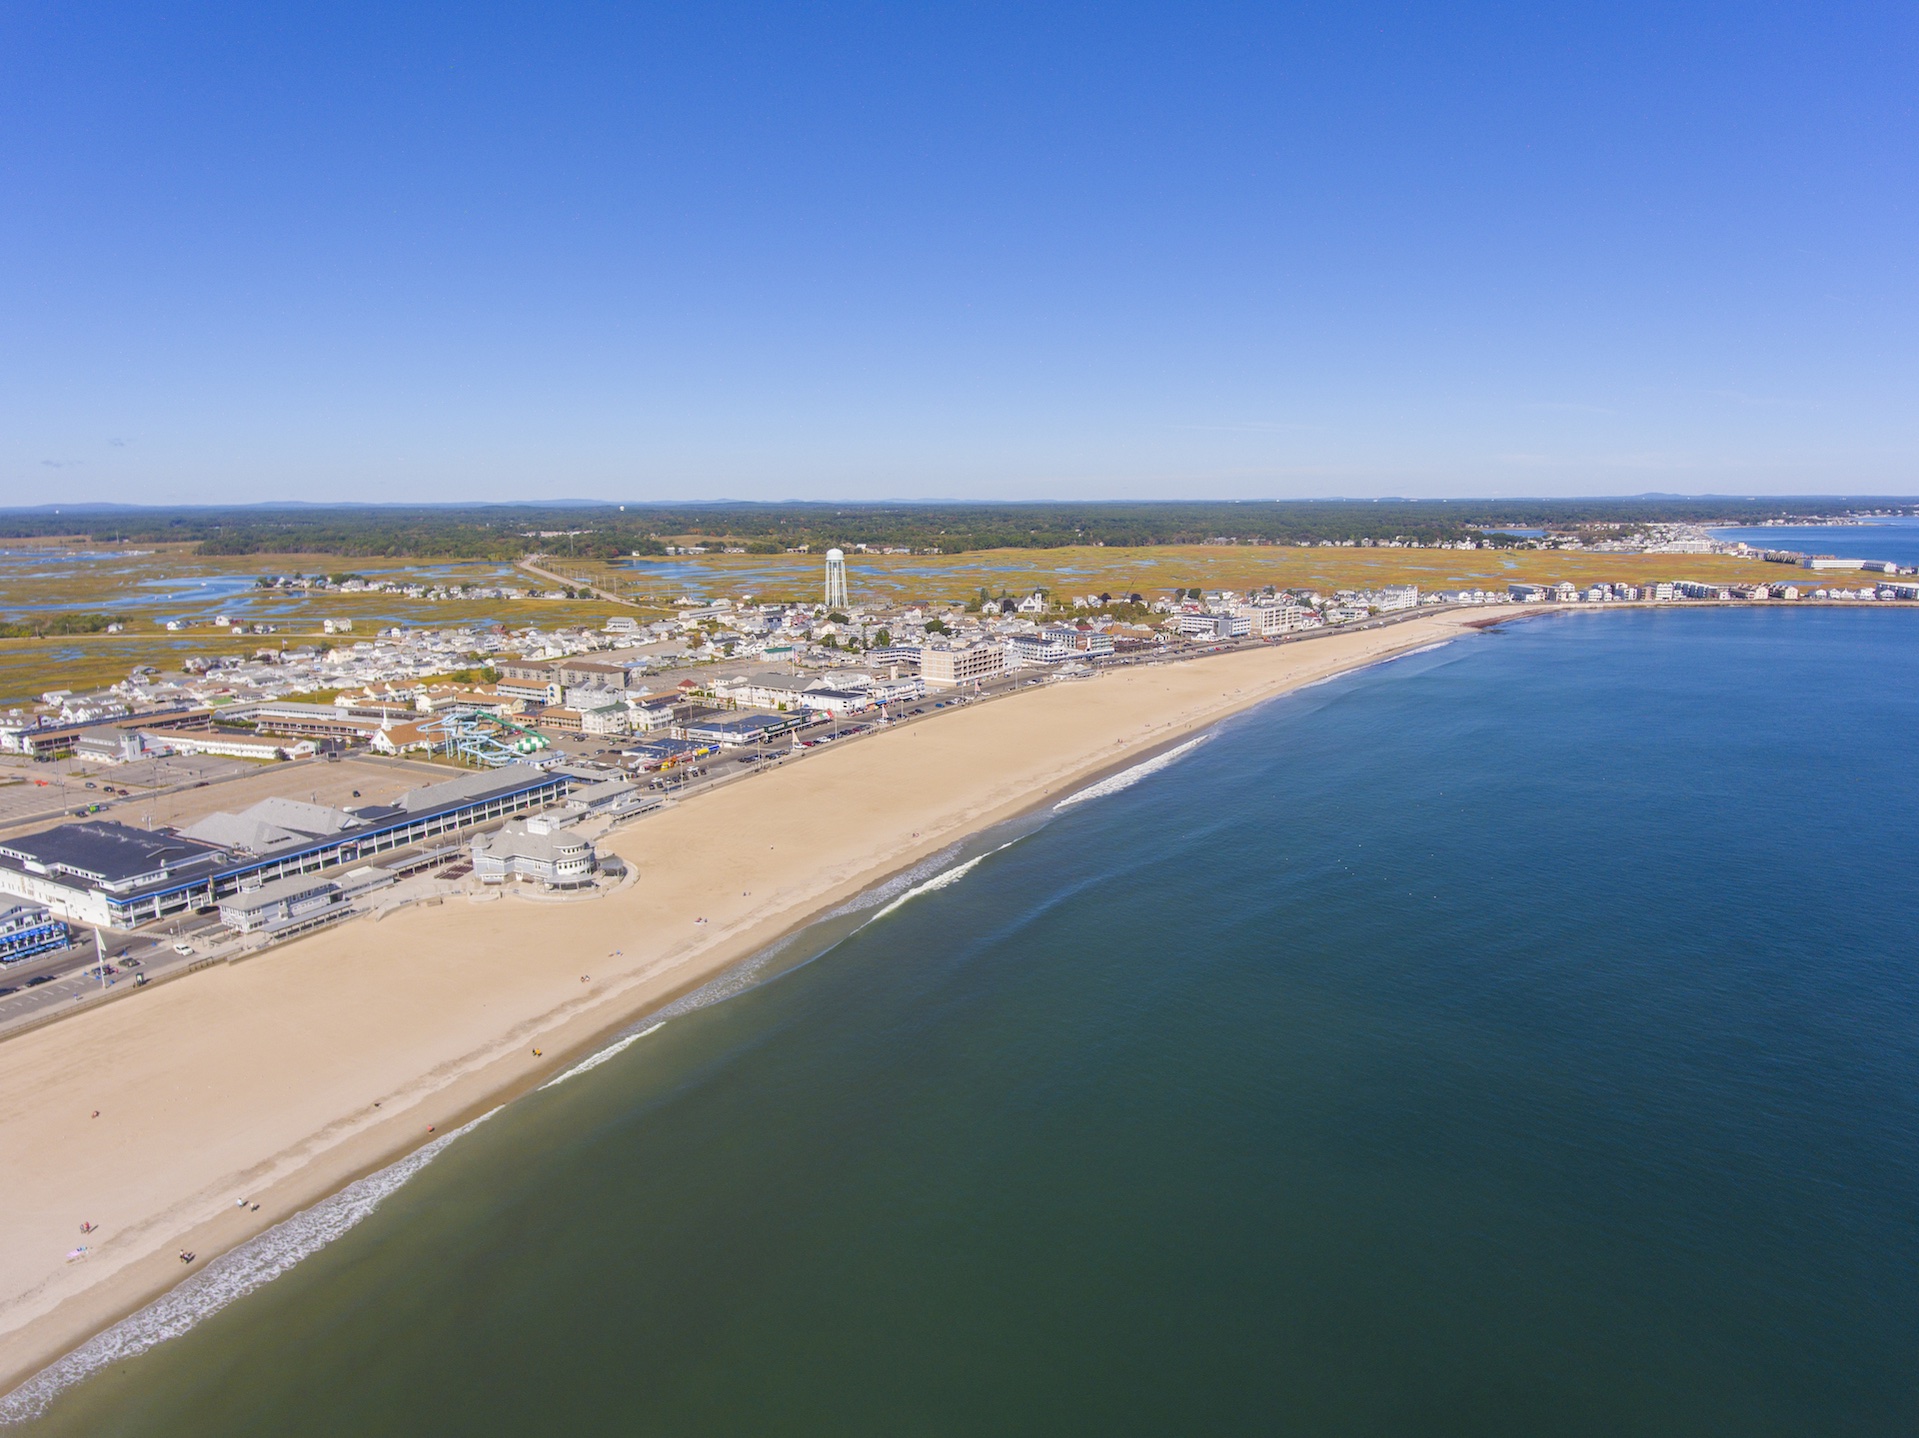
x=1895, y=538
x=1521, y=1037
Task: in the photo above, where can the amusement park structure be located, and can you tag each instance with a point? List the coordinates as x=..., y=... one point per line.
x=476, y=736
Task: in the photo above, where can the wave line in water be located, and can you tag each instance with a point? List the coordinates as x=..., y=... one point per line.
x=881, y=893
x=938, y=881
x=883, y=899
x=231, y=1276
x=618, y=1046
x=1126, y=778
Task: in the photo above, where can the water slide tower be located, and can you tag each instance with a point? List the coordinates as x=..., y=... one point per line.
x=836, y=580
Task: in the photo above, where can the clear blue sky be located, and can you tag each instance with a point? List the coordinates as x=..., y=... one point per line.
x=419, y=251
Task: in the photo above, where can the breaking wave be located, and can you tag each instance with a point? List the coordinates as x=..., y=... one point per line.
x=232, y=1275
x=1126, y=778
x=899, y=884
x=595, y=1060
x=938, y=881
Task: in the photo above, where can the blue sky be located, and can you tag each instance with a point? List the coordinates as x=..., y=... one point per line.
x=431, y=252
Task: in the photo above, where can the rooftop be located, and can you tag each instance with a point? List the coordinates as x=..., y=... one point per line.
x=273, y=823
x=293, y=887
x=106, y=852
x=469, y=787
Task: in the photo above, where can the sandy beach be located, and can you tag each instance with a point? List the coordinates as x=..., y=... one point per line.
x=282, y=1078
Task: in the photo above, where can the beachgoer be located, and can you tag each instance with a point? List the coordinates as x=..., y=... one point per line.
x=96, y=1113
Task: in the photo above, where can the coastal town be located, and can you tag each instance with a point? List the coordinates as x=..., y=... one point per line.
x=175, y=819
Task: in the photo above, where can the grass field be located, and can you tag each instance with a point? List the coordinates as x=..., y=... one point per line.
x=889, y=579
x=145, y=589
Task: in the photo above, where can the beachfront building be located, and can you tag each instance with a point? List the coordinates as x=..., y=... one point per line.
x=1393, y=597
x=835, y=701
x=536, y=849
x=283, y=904
x=1220, y=624
x=1046, y=647
x=94, y=872
x=104, y=873
x=665, y=753
x=29, y=929
x=947, y=667
x=598, y=795
x=763, y=690
x=1265, y=620
x=897, y=690
x=732, y=731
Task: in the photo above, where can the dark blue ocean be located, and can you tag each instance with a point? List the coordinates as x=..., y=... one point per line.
x=1519, y=1038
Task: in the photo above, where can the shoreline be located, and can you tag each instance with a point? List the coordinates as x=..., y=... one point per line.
x=59, y=1307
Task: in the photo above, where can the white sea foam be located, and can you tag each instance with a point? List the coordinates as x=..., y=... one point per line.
x=594, y=1061
x=876, y=903
x=230, y=1276
x=938, y=881
x=884, y=893
x=1126, y=778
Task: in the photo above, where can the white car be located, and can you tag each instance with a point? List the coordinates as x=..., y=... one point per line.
x=181, y=946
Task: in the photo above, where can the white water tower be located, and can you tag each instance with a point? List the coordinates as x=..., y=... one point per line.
x=836, y=580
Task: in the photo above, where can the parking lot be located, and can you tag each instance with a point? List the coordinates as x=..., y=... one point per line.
x=32, y=988
x=45, y=795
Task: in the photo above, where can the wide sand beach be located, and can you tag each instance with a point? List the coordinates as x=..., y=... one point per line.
x=281, y=1079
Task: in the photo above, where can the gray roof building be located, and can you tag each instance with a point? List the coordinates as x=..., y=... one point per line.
x=111, y=855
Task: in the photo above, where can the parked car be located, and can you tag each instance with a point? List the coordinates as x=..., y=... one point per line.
x=4, y=992
x=39, y=979
x=181, y=946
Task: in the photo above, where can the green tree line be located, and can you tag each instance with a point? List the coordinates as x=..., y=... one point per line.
x=606, y=531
